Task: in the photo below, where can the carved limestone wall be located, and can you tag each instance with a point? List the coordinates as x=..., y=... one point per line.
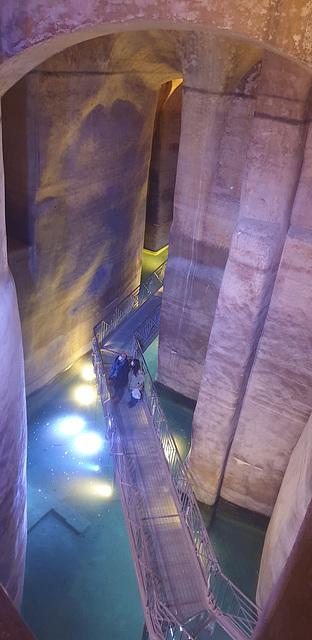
x=30, y=34
x=77, y=143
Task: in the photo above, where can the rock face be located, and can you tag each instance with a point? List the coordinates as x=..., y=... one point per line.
x=77, y=143
x=239, y=323
x=13, y=446
x=12, y=433
x=76, y=154
x=287, y=613
x=235, y=328
x=291, y=506
x=206, y=202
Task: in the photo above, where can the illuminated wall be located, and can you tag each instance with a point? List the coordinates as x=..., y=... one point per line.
x=271, y=240
x=77, y=143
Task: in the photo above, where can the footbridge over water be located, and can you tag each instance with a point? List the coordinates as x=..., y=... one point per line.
x=185, y=596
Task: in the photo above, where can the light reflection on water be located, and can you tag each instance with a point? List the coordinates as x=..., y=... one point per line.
x=70, y=488
x=85, y=482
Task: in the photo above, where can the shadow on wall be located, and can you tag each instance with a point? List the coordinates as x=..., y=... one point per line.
x=76, y=182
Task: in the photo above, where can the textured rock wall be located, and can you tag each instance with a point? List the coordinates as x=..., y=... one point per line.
x=12, y=430
x=82, y=147
x=278, y=400
x=289, y=512
x=235, y=352
x=206, y=203
x=29, y=34
x=288, y=613
x=163, y=166
x=295, y=494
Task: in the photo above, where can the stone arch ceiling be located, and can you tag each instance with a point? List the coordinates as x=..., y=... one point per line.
x=31, y=35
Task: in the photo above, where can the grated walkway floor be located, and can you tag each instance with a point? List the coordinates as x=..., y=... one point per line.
x=171, y=551
x=173, y=556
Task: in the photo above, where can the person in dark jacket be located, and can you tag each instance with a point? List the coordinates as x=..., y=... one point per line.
x=118, y=376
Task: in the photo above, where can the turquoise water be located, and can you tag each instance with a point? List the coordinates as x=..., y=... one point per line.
x=81, y=583
x=151, y=261
x=80, y=580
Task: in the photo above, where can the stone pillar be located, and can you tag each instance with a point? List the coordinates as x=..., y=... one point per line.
x=288, y=612
x=258, y=457
x=205, y=205
x=289, y=513
x=13, y=529
x=278, y=399
x=163, y=166
x=293, y=301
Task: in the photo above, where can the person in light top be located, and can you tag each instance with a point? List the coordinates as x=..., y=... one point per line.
x=135, y=382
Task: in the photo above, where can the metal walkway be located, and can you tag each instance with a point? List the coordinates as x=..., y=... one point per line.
x=183, y=591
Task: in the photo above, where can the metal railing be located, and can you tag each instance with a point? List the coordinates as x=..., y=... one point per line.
x=146, y=332
x=164, y=623
x=128, y=305
x=222, y=593
x=234, y=604
x=226, y=600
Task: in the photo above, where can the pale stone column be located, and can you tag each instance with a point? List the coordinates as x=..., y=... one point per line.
x=293, y=300
x=289, y=512
x=204, y=213
x=273, y=169
x=287, y=613
x=12, y=429
x=278, y=399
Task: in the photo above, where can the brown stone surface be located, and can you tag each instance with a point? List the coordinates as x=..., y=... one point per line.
x=12, y=431
x=206, y=204
x=12, y=626
x=289, y=513
x=295, y=492
x=255, y=391
x=278, y=400
x=33, y=33
x=12, y=445
x=78, y=196
x=254, y=471
x=287, y=614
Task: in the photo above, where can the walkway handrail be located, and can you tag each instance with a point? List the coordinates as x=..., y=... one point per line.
x=234, y=603
x=224, y=597
x=128, y=305
x=165, y=624
x=146, y=332
x=188, y=503
x=222, y=593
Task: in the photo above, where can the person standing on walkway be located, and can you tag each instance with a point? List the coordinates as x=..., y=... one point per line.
x=135, y=382
x=118, y=376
